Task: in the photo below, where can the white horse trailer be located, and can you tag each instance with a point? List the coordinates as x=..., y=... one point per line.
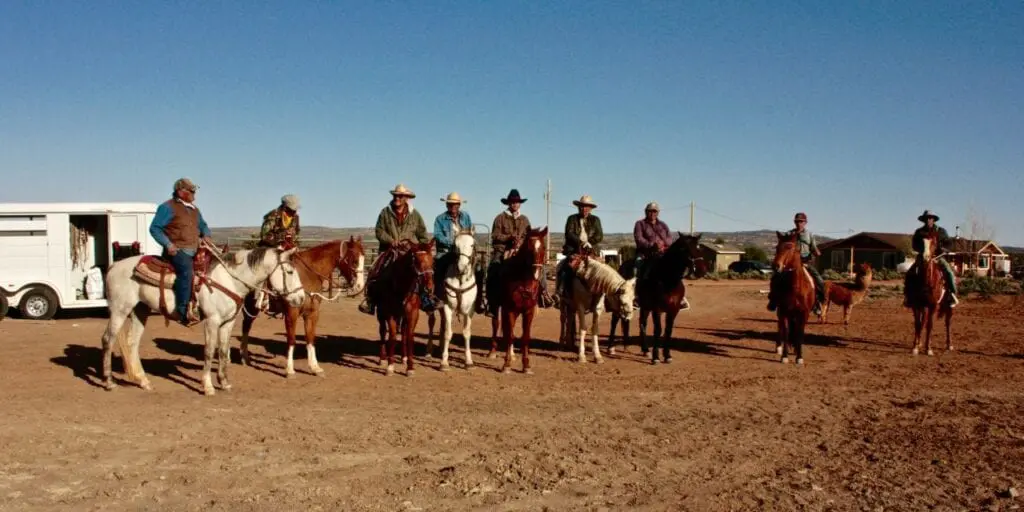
x=55, y=255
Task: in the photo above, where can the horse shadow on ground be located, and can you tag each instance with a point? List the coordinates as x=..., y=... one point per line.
x=813, y=339
x=86, y=364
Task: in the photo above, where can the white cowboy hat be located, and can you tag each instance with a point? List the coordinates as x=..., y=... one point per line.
x=291, y=201
x=652, y=207
x=453, y=198
x=585, y=201
x=400, y=190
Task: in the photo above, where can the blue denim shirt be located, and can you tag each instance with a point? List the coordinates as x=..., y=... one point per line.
x=444, y=232
x=163, y=216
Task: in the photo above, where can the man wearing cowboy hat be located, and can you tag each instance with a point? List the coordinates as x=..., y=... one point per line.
x=281, y=225
x=583, y=233
x=398, y=226
x=508, y=231
x=652, y=237
x=445, y=226
x=808, y=251
x=917, y=243
x=179, y=228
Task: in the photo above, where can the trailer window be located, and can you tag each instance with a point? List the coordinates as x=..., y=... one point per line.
x=22, y=225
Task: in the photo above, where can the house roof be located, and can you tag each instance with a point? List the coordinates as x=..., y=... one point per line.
x=722, y=249
x=968, y=245
x=895, y=241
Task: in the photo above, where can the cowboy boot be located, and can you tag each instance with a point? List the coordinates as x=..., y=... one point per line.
x=367, y=306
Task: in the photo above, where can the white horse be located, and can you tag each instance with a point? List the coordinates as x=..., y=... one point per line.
x=240, y=272
x=459, y=297
x=595, y=284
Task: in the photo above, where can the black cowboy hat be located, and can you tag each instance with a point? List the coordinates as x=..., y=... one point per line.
x=928, y=213
x=513, y=196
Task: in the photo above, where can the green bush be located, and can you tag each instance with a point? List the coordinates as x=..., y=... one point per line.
x=987, y=286
x=886, y=274
x=730, y=275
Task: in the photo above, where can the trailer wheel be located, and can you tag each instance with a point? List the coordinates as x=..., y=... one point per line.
x=4, y=306
x=39, y=304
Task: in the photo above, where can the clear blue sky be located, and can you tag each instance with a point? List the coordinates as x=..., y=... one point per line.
x=862, y=114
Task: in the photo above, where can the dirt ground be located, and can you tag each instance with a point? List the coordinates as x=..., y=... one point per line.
x=863, y=426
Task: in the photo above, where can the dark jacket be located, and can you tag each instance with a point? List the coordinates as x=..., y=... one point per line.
x=595, y=235
x=507, y=229
x=917, y=242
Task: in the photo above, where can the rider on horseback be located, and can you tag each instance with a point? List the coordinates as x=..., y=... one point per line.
x=444, y=237
x=917, y=243
x=508, y=232
x=808, y=251
x=583, y=234
x=398, y=226
x=280, y=229
x=179, y=227
x=652, y=237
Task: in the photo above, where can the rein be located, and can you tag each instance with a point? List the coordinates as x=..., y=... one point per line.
x=239, y=301
x=330, y=281
x=460, y=291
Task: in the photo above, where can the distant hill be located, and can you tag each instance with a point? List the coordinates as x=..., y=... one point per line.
x=737, y=239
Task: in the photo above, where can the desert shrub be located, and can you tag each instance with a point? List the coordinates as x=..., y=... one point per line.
x=730, y=275
x=886, y=274
x=987, y=286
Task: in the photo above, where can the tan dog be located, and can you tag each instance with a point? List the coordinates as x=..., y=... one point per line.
x=847, y=295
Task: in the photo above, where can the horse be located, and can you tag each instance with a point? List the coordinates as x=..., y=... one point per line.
x=315, y=266
x=516, y=294
x=596, y=285
x=795, y=296
x=847, y=295
x=398, y=291
x=925, y=291
x=663, y=292
x=219, y=293
x=460, y=291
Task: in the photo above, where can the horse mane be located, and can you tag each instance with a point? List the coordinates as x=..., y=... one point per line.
x=255, y=257
x=600, y=275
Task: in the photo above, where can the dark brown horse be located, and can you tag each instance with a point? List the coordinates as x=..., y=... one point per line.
x=925, y=291
x=516, y=294
x=795, y=295
x=397, y=291
x=663, y=292
x=316, y=267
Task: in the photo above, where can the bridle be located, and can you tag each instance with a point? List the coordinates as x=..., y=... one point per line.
x=239, y=301
x=459, y=292
x=340, y=264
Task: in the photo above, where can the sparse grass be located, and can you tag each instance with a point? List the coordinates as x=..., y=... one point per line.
x=730, y=275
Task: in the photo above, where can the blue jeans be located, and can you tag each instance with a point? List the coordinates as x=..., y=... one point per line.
x=182, y=263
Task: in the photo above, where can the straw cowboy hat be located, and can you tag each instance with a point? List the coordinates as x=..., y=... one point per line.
x=400, y=190
x=291, y=201
x=513, y=197
x=928, y=213
x=453, y=198
x=652, y=207
x=185, y=184
x=585, y=201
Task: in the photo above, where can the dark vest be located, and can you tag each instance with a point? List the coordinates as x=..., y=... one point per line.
x=183, y=230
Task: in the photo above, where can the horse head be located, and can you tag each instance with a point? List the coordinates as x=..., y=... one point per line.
x=687, y=249
x=282, y=278
x=621, y=300
x=423, y=265
x=352, y=262
x=464, y=248
x=863, y=270
x=787, y=252
x=535, y=247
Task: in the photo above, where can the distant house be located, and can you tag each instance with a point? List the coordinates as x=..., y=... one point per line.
x=881, y=250
x=978, y=257
x=718, y=257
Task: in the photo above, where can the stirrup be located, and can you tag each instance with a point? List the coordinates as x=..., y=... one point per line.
x=685, y=305
x=953, y=301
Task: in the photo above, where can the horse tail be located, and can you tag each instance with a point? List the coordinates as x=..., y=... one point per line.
x=129, y=350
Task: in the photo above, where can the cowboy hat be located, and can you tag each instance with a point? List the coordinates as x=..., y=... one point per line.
x=453, y=198
x=928, y=213
x=400, y=190
x=585, y=201
x=652, y=207
x=185, y=184
x=291, y=201
x=800, y=216
x=513, y=197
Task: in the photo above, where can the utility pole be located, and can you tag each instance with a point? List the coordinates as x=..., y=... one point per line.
x=547, y=204
x=691, y=217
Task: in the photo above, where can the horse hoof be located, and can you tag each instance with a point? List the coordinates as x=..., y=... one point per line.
x=785, y=360
x=492, y=355
x=778, y=351
x=655, y=362
x=528, y=371
x=109, y=386
x=930, y=353
x=611, y=351
x=288, y=375
x=225, y=387
x=668, y=360
x=599, y=361
x=146, y=385
x=800, y=361
x=390, y=371
x=428, y=356
x=913, y=352
x=506, y=370
x=209, y=392
x=470, y=367
x=445, y=367
x=410, y=373
x=950, y=349
x=645, y=352
x=319, y=372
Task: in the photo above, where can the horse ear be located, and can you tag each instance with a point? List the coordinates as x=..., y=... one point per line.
x=698, y=235
x=780, y=235
x=351, y=238
x=544, y=231
x=288, y=254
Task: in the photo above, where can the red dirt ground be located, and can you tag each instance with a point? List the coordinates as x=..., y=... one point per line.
x=863, y=426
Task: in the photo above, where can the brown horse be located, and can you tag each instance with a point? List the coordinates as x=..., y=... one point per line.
x=516, y=294
x=795, y=295
x=316, y=267
x=924, y=291
x=662, y=292
x=397, y=292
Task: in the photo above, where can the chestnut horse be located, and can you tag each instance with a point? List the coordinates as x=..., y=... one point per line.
x=795, y=295
x=397, y=293
x=925, y=291
x=663, y=292
x=315, y=266
x=518, y=287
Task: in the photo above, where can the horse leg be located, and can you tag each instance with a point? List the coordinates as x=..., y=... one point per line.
x=431, y=320
x=781, y=342
x=929, y=320
x=409, y=341
x=611, y=335
x=596, y=319
x=527, y=325
x=625, y=335
x=581, y=326
x=949, y=332
x=467, y=335
x=224, y=354
x=210, y=349
x=918, y=325
x=446, y=338
x=846, y=314
x=823, y=317
x=643, y=330
x=797, y=335
x=392, y=328
x=493, y=354
x=655, y=337
x=784, y=334
x=666, y=338
x=311, y=318
x=507, y=320
x=249, y=304
x=290, y=326
x=115, y=325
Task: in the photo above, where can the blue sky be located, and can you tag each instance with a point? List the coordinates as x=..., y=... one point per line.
x=862, y=114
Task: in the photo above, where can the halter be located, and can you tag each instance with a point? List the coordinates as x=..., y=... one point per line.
x=239, y=301
x=330, y=281
x=460, y=291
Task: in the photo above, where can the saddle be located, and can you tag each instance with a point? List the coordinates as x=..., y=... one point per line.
x=157, y=271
